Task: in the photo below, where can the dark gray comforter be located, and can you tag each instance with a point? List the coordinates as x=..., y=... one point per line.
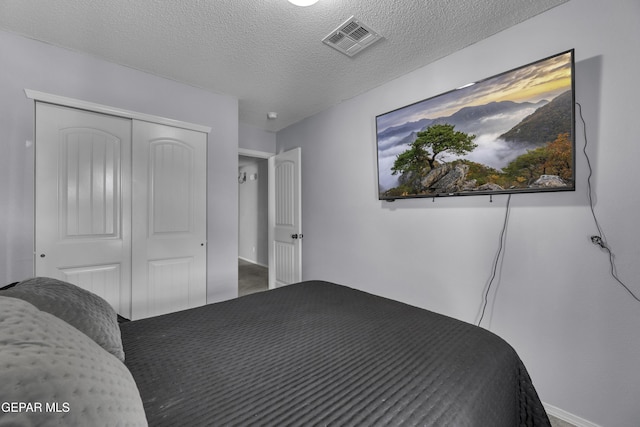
x=317, y=353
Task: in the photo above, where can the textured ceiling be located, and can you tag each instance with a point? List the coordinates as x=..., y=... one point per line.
x=266, y=53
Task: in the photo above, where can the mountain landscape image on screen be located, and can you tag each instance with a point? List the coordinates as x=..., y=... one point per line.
x=510, y=133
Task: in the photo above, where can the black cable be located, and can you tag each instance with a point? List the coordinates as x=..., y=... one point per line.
x=586, y=156
x=494, y=272
x=600, y=239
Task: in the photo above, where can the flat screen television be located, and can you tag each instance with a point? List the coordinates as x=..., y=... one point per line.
x=510, y=133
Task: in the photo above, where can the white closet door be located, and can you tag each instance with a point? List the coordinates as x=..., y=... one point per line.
x=169, y=217
x=82, y=225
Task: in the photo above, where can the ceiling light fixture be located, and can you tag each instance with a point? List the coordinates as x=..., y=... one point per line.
x=303, y=3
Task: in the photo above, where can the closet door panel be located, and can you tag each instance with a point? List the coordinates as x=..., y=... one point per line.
x=83, y=226
x=98, y=279
x=169, y=213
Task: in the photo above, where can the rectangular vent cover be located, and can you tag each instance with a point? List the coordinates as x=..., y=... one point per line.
x=351, y=37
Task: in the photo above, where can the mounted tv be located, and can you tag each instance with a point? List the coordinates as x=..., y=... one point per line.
x=510, y=133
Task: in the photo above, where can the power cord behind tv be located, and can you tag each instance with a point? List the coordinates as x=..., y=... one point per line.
x=599, y=238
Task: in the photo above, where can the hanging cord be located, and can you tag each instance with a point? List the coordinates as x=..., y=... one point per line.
x=494, y=271
x=599, y=239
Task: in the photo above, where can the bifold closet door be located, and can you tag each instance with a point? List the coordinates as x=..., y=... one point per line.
x=169, y=219
x=83, y=201
x=121, y=209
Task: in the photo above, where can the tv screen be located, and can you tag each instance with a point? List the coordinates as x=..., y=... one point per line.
x=510, y=133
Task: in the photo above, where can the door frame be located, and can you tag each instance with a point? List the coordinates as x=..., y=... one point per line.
x=105, y=109
x=270, y=157
x=263, y=155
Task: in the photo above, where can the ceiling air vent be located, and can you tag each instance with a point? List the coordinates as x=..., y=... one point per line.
x=351, y=37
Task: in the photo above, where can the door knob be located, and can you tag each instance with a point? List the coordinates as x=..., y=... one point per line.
x=296, y=236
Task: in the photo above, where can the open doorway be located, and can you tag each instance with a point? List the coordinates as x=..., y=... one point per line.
x=253, y=233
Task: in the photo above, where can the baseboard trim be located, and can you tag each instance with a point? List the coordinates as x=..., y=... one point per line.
x=567, y=416
x=253, y=262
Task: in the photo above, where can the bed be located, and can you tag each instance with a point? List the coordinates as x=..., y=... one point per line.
x=313, y=353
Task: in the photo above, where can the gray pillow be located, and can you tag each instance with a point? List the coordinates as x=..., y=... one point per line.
x=60, y=375
x=80, y=308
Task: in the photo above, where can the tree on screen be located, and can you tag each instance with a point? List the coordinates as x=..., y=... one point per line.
x=429, y=144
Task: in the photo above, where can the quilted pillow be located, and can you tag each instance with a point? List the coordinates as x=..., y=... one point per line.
x=80, y=308
x=53, y=374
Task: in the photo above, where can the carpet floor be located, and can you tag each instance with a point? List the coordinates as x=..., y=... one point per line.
x=252, y=278
x=556, y=422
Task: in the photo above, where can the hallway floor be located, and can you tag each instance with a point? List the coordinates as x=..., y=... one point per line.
x=252, y=278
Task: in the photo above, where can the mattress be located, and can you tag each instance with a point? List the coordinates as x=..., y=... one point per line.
x=318, y=353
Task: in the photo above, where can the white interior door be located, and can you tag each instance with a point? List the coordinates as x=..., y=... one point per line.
x=285, y=219
x=169, y=217
x=82, y=225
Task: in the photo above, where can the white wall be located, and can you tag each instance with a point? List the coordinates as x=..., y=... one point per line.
x=255, y=139
x=575, y=328
x=253, y=203
x=34, y=65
